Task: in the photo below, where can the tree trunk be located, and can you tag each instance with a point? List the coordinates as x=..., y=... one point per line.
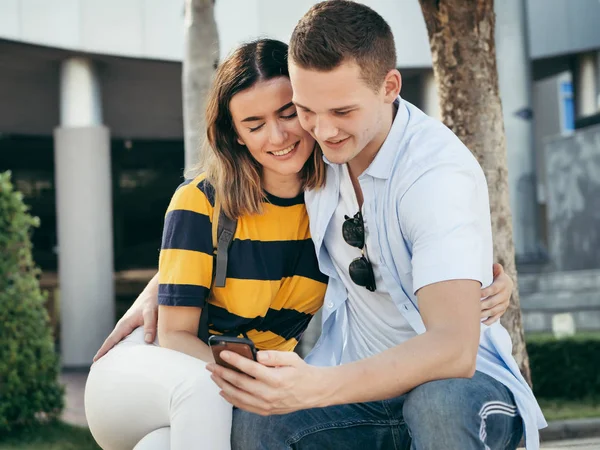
x=199, y=62
x=461, y=36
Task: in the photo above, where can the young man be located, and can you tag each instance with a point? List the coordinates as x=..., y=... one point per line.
x=402, y=229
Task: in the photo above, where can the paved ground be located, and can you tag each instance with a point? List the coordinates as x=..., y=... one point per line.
x=75, y=413
x=577, y=444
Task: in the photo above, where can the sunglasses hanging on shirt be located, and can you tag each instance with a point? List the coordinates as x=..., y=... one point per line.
x=361, y=269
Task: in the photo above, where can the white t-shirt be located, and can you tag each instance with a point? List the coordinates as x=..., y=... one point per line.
x=375, y=323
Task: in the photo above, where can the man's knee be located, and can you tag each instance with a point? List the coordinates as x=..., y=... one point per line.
x=441, y=403
x=455, y=411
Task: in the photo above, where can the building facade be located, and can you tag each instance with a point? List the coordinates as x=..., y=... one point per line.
x=91, y=124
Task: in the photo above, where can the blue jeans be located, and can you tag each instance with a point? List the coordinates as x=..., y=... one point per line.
x=453, y=414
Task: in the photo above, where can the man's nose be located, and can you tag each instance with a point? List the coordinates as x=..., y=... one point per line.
x=324, y=129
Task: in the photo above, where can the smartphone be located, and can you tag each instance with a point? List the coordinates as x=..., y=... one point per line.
x=241, y=346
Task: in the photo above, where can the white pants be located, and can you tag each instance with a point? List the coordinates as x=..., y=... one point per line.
x=144, y=397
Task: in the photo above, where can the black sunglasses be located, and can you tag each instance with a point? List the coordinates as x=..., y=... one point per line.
x=361, y=270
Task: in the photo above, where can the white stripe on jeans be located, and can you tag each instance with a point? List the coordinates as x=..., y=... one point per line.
x=490, y=408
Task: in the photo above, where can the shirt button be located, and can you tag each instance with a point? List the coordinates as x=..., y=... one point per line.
x=330, y=305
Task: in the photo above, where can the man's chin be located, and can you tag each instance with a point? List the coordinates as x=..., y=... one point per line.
x=341, y=157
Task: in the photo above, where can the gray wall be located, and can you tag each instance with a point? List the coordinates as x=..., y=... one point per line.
x=153, y=28
x=29, y=88
x=573, y=202
x=140, y=98
x=137, y=28
x=562, y=26
x=543, y=295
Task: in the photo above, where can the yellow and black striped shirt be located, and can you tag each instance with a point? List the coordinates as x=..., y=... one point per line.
x=273, y=286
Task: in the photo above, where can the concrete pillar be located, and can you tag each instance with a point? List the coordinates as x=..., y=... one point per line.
x=515, y=91
x=586, y=84
x=84, y=215
x=430, y=101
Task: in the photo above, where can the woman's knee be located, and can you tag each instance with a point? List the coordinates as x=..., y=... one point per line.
x=116, y=391
x=164, y=385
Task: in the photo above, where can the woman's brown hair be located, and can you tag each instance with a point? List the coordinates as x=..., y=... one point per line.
x=229, y=166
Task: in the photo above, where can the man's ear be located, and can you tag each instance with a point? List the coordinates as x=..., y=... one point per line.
x=240, y=141
x=392, y=85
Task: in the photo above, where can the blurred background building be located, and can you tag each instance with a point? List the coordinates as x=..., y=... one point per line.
x=91, y=127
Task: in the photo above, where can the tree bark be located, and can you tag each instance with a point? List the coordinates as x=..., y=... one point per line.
x=461, y=37
x=199, y=62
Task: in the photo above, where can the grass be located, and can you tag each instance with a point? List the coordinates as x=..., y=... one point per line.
x=563, y=409
x=51, y=436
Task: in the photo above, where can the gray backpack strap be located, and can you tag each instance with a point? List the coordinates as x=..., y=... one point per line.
x=225, y=232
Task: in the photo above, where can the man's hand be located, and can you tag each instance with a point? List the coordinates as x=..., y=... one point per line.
x=144, y=311
x=498, y=296
x=280, y=383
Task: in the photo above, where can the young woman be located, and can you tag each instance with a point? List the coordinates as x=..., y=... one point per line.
x=258, y=163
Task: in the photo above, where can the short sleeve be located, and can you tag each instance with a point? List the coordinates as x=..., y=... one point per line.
x=186, y=255
x=445, y=217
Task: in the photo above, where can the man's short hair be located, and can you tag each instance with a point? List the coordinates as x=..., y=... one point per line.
x=335, y=31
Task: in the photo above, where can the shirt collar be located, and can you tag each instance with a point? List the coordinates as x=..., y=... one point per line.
x=383, y=164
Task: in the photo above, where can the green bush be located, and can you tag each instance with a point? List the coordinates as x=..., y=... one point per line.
x=29, y=367
x=565, y=368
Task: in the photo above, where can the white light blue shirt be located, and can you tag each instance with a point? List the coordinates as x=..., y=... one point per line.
x=374, y=322
x=426, y=200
